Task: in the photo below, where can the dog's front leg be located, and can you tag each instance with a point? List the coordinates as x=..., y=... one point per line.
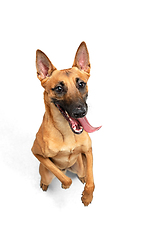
x=66, y=181
x=87, y=194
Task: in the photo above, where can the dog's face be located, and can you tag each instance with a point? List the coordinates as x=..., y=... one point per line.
x=67, y=89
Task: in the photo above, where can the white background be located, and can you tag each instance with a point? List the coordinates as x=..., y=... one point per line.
x=123, y=38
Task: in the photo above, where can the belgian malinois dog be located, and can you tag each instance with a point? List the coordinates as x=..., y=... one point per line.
x=62, y=142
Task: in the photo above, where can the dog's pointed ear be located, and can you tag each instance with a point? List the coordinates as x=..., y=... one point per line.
x=43, y=65
x=81, y=60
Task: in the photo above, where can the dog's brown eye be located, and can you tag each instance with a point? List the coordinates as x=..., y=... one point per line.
x=58, y=89
x=80, y=83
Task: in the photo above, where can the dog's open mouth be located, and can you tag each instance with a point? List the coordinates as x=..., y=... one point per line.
x=74, y=123
x=77, y=125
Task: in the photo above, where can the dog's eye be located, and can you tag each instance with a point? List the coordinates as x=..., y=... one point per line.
x=58, y=89
x=80, y=83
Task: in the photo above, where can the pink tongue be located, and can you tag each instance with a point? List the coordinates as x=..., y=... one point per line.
x=87, y=127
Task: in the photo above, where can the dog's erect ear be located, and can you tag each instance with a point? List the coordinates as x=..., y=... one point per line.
x=81, y=60
x=43, y=65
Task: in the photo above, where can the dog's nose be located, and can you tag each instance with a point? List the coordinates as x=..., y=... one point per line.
x=79, y=111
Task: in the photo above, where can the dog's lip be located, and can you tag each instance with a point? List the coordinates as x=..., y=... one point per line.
x=77, y=125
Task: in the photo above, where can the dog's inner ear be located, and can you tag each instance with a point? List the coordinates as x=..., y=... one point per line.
x=82, y=58
x=44, y=65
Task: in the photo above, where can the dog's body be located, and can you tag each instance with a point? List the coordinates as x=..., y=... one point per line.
x=61, y=143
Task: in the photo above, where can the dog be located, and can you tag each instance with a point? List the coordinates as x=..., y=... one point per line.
x=62, y=142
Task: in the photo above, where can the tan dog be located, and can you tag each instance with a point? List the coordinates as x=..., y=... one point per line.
x=62, y=142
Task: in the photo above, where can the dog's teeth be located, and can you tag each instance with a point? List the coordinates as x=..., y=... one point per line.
x=67, y=114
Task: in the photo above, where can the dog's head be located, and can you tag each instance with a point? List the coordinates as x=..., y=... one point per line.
x=67, y=89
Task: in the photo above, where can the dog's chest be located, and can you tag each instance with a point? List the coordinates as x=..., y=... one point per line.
x=66, y=154
x=66, y=158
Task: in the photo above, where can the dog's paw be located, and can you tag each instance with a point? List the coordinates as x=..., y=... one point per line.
x=43, y=186
x=86, y=198
x=67, y=184
x=87, y=195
